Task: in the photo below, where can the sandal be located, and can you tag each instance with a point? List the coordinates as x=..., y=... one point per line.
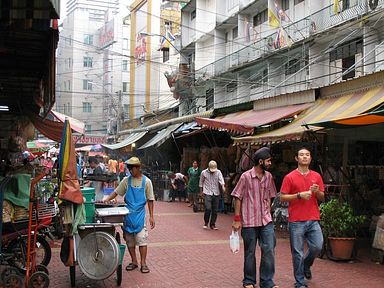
x=248, y=286
x=144, y=269
x=131, y=266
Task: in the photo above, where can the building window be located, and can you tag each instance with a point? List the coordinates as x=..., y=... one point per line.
x=294, y=65
x=226, y=37
x=125, y=86
x=126, y=111
x=209, y=99
x=88, y=128
x=232, y=86
x=125, y=43
x=168, y=25
x=235, y=32
x=285, y=5
x=346, y=4
x=260, y=18
x=165, y=54
x=87, y=61
x=125, y=65
x=193, y=15
x=69, y=85
x=87, y=107
x=88, y=39
x=260, y=79
x=298, y=1
x=347, y=53
x=87, y=85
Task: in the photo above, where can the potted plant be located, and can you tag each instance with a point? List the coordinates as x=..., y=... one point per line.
x=340, y=226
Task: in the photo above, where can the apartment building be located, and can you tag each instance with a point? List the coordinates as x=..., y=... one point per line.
x=253, y=51
x=93, y=64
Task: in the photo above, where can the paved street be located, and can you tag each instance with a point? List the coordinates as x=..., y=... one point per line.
x=183, y=254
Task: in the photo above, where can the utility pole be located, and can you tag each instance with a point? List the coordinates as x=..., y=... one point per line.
x=119, y=112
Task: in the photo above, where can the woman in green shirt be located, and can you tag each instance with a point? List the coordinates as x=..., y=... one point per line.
x=193, y=183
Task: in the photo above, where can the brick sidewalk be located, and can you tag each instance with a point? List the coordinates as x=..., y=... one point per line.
x=183, y=254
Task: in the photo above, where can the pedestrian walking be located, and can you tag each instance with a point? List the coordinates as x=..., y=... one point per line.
x=302, y=188
x=137, y=190
x=97, y=170
x=193, y=183
x=211, y=185
x=253, y=196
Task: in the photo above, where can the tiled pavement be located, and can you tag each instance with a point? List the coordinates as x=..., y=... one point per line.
x=183, y=254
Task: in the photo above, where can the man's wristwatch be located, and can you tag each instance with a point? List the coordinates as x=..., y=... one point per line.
x=298, y=195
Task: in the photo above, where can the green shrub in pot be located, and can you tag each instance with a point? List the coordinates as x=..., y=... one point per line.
x=339, y=220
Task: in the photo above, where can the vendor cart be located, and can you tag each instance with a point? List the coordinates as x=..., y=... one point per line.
x=99, y=251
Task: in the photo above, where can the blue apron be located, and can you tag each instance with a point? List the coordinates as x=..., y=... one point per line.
x=136, y=200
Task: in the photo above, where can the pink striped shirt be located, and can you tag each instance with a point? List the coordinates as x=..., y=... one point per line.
x=255, y=196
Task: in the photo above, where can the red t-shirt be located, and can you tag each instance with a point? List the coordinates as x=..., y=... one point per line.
x=301, y=209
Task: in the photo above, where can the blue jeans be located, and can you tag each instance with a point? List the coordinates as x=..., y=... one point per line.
x=299, y=232
x=267, y=243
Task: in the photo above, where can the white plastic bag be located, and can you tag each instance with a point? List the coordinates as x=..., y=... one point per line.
x=234, y=242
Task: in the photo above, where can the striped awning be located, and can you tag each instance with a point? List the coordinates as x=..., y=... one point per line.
x=323, y=110
x=371, y=118
x=246, y=121
x=132, y=138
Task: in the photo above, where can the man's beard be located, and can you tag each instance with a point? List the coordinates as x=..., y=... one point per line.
x=264, y=167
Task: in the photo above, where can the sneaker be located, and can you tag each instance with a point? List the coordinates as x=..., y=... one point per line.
x=308, y=274
x=213, y=227
x=205, y=226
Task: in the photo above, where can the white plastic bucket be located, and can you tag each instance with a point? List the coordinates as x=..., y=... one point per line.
x=166, y=195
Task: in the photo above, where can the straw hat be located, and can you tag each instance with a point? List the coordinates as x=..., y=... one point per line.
x=133, y=161
x=212, y=166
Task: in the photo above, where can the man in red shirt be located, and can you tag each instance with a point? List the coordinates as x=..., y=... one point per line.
x=302, y=188
x=253, y=195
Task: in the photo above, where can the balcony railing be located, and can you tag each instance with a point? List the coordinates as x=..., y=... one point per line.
x=314, y=24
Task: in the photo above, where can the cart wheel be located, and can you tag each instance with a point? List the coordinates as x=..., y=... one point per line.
x=7, y=272
x=42, y=268
x=118, y=238
x=13, y=281
x=119, y=274
x=72, y=275
x=38, y=279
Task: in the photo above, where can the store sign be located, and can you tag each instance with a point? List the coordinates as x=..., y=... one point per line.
x=106, y=35
x=89, y=139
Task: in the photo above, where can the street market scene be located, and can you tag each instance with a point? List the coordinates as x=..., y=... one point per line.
x=194, y=143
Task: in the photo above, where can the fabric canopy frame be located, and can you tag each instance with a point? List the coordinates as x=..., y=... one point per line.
x=370, y=118
x=132, y=138
x=323, y=110
x=246, y=121
x=160, y=137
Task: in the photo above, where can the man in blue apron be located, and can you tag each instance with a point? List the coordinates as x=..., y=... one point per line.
x=137, y=191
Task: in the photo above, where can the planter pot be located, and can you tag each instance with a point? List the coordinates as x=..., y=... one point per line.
x=341, y=248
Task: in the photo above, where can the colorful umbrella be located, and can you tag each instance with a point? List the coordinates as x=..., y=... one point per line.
x=67, y=170
x=36, y=147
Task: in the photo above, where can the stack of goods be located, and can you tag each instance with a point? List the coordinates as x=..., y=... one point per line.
x=7, y=211
x=189, y=155
x=205, y=157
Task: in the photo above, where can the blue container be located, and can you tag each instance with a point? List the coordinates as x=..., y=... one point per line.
x=108, y=190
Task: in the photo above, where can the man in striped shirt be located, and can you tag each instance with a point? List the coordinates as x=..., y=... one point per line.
x=253, y=195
